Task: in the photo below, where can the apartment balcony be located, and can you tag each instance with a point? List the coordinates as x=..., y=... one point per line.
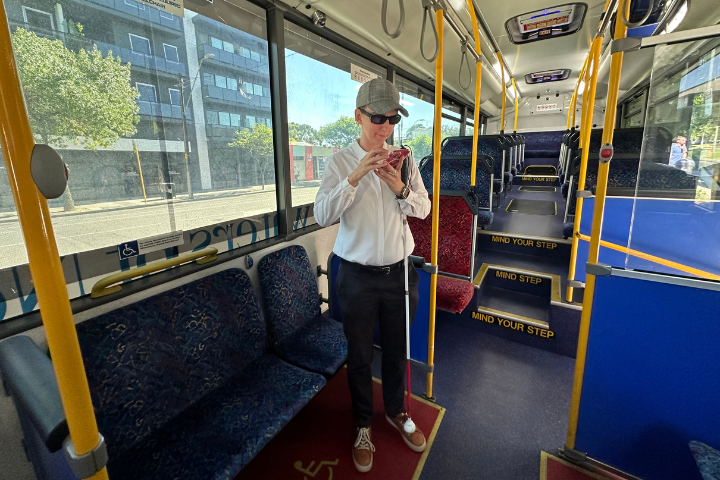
x=232, y=59
x=234, y=96
x=136, y=59
x=164, y=110
x=142, y=12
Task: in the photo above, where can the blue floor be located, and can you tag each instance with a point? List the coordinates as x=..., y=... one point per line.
x=505, y=403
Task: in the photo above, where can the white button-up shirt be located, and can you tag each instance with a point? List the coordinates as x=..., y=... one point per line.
x=371, y=228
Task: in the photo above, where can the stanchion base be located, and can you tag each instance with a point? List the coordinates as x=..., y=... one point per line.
x=429, y=399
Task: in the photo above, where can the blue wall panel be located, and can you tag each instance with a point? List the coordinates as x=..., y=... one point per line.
x=652, y=377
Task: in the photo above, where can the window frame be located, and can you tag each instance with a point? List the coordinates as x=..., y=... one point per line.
x=26, y=8
x=131, y=35
x=170, y=90
x=147, y=85
x=177, y=52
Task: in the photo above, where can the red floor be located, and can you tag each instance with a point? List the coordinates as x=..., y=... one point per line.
x=553, y=468
x=317, y=443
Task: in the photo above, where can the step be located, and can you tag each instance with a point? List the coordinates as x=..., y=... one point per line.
x=556, y=248
x=525, y=306
x=527, y=180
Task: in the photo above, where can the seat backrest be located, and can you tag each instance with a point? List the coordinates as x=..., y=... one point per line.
x=290, y=291
x=543, y=144
x=455, y=245
x=489, y=145
x=150, y=360
x=455, y=175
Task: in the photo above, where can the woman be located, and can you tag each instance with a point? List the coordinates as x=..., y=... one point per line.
x=368, y=196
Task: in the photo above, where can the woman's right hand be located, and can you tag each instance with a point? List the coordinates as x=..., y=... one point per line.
x=376, y=158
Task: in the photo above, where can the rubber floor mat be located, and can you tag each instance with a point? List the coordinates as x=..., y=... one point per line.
x=532, y=207
x=540, y=170
x=531, y=188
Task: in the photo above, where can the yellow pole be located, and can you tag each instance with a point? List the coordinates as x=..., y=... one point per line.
x=587, y=108
x=34, y=216
x=502, y=80
x=478, y=78
x=436, y=194
x=600, y=191
x=576, y=92
x=142, y=182
x=516, y=104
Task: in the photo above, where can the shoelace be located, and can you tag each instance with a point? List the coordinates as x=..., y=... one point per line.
x=363, y=440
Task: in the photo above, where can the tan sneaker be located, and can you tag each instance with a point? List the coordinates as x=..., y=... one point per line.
x=362, y=451
x=415, y=439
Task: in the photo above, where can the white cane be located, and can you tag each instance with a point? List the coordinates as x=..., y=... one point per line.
x=409, y=426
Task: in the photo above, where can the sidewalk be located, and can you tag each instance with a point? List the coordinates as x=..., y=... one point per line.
x=156, y=200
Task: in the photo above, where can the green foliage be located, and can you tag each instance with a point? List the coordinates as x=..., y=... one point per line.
x=257, y=143
x=341, y=133
x=421, y=146
x=702, y=123
x=303, y=133
x=452, y=130
x=79, y=96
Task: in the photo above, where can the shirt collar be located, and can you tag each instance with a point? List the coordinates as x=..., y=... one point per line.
x=358, y=150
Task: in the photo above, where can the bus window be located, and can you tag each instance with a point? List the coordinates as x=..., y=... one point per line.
x=415, y=131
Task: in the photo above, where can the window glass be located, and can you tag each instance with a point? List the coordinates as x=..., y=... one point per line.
x=171, y=53
x=449, y=128
x=469, y=129
x=245, y=52
x=321, y=104
x=249, y=121
x=220, y=81
x=228, y=47
x=248, y=88
x=123, y=139
x=147, y=92
x=174, y=96
x=232, y=84
x=676, y=209
x=258, y=90
x=140, y=44
x=415, y=131
x=255, y=56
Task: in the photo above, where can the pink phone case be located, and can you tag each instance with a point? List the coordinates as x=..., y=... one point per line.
x=397, y=155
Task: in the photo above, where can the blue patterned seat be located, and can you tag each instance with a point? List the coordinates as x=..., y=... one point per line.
x=707, y=460
x=543, y=144
x=296, y=331
x=174, y=377
x=568, y=230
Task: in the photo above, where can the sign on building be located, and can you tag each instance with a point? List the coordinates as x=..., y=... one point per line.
x=174, y=7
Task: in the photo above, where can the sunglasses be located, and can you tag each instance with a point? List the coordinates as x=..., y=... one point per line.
x=380, y=119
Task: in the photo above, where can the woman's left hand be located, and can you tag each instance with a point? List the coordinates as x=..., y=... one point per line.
x=391, y=176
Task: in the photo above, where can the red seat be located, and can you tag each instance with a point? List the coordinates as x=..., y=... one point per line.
x=454, y=250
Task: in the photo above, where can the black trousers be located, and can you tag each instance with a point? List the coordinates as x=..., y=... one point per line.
x=365, y=299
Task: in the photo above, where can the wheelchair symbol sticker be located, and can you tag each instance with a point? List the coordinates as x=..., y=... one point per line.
x=128, y=249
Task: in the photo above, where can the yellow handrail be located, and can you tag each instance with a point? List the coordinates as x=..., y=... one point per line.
x=478, y=78
x=654, y=259
x=587, y=115
x=436, y=195
x=600, y=191
x=43, y=258
x=106, y=286
x=504, y=93
x=516, y=104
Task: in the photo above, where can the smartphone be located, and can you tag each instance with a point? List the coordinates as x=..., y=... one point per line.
x=397, y=155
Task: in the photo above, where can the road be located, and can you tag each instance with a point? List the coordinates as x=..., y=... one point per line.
x=102, y=228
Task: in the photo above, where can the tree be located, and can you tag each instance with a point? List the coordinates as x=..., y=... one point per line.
x=341, y=133
x=258, y=144
x=303, y=133
x=80, y=96
x=421, y=146
x=449, y=131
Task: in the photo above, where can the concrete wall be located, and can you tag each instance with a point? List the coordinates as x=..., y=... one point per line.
x=14, y=465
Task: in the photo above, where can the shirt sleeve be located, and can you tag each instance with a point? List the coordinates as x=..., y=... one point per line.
x=334, y=196
x=417, y=204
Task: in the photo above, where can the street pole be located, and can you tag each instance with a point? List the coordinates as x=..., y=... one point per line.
x=185, y=139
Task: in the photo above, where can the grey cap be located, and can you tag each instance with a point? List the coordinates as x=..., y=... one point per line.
x=380, y=96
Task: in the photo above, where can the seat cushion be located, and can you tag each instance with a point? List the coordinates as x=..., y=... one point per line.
x=319, y=346
x=218, y=436
x=149, y=361
x=497, y=186
x=453, y=294
x=707, y=460
x=485, y=218
x=564, y=189
x=508, y=178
